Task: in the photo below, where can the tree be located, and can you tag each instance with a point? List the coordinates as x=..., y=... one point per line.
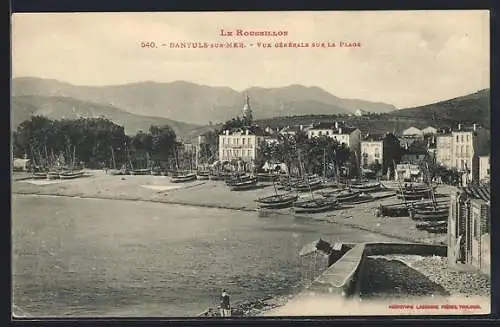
x=163, y=141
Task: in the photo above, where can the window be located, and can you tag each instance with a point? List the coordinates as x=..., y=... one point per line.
x=462, y=151
x=468, y=137
x=467, y=151
x=327, y=133
x=319, y=133
x=457, y=138
x=462, y=138
x=243, y=141
x=249, y=153
x=377, y=155
x=457, y=149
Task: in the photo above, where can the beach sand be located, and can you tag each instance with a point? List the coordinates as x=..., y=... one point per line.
x=217, y=195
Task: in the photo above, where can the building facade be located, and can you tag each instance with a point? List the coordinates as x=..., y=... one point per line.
x=412, y=132
x=468, y=143
x=469, y=227
x=443, y=150
x=348, y=135
x=380, y=149
x=429, y=130
x=484, y=168
x=239, y=144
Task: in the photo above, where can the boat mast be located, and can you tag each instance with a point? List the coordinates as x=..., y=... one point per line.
x=113, y=157
x=324, y=162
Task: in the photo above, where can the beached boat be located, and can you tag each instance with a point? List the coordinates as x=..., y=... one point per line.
x=71, y=174
x=237, y=178
x=347, y=195
x=393, y=210
x=367, y=187
x=267, y=177
x=429, y=214
x=315, y=205
x=243, y=185
x=182, y=178
x=53, y=175
x=437, y=230
x=277, y=201
x=144, y=171
x=414, y=194
x=311, y=184
x=39, y=175
x=203, y=175
x=425, y=225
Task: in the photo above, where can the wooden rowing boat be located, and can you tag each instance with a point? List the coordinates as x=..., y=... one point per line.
x=367, y=187
x=315, y=206
x=277, y=201
x=244, y=185
x=182, y=178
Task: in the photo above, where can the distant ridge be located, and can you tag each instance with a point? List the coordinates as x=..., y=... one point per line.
x=199, y=104
x=58, y=107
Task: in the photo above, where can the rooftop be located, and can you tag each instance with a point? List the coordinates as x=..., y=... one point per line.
x=252, y=130
x=336, y=128
x=373, y=137
x=293, y=129
x=481, y=192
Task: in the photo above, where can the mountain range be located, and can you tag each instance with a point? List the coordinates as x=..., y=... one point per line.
x=188, y=108
x=56, y=107
x=199, y=104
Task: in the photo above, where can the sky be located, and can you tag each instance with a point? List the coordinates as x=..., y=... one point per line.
x=406, y=58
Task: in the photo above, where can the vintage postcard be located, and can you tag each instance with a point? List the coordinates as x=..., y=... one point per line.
x=242, y=164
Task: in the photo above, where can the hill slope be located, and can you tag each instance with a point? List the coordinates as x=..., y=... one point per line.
x=56, y=107
x=199, y=104
x=470, y=108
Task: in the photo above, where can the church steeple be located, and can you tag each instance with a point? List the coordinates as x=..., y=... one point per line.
x=247, y=111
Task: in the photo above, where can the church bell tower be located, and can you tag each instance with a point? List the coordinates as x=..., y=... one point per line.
x=247, y=111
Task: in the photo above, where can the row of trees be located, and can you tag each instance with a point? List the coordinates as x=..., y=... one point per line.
x=297, y=151
x=92, y=141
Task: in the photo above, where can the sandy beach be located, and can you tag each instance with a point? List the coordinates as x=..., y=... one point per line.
x=216, y=194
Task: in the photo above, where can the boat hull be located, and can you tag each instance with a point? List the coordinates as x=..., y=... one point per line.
x=243, y=186
x=71, y=175
x=277, y=202
x=314, y=206
x=367, y=188
x=428, y=216
x=183, y=179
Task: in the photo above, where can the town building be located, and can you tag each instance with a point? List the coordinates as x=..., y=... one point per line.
x=469, y=228
x=293, y=130
x=416, y=153
x=484, y=168
x=408, y=172
x=381, y=150
x=443, y=149
x=242, y=144
x=21, y=164
x=360, y=113
x=468, y=144
x=348, y=135
x=412, y=132
x=429, y=130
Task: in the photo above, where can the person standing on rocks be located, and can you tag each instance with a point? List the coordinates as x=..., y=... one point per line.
x=225, y=304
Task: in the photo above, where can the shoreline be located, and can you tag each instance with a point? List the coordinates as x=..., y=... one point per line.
x=216, y=195
x=215, y=206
